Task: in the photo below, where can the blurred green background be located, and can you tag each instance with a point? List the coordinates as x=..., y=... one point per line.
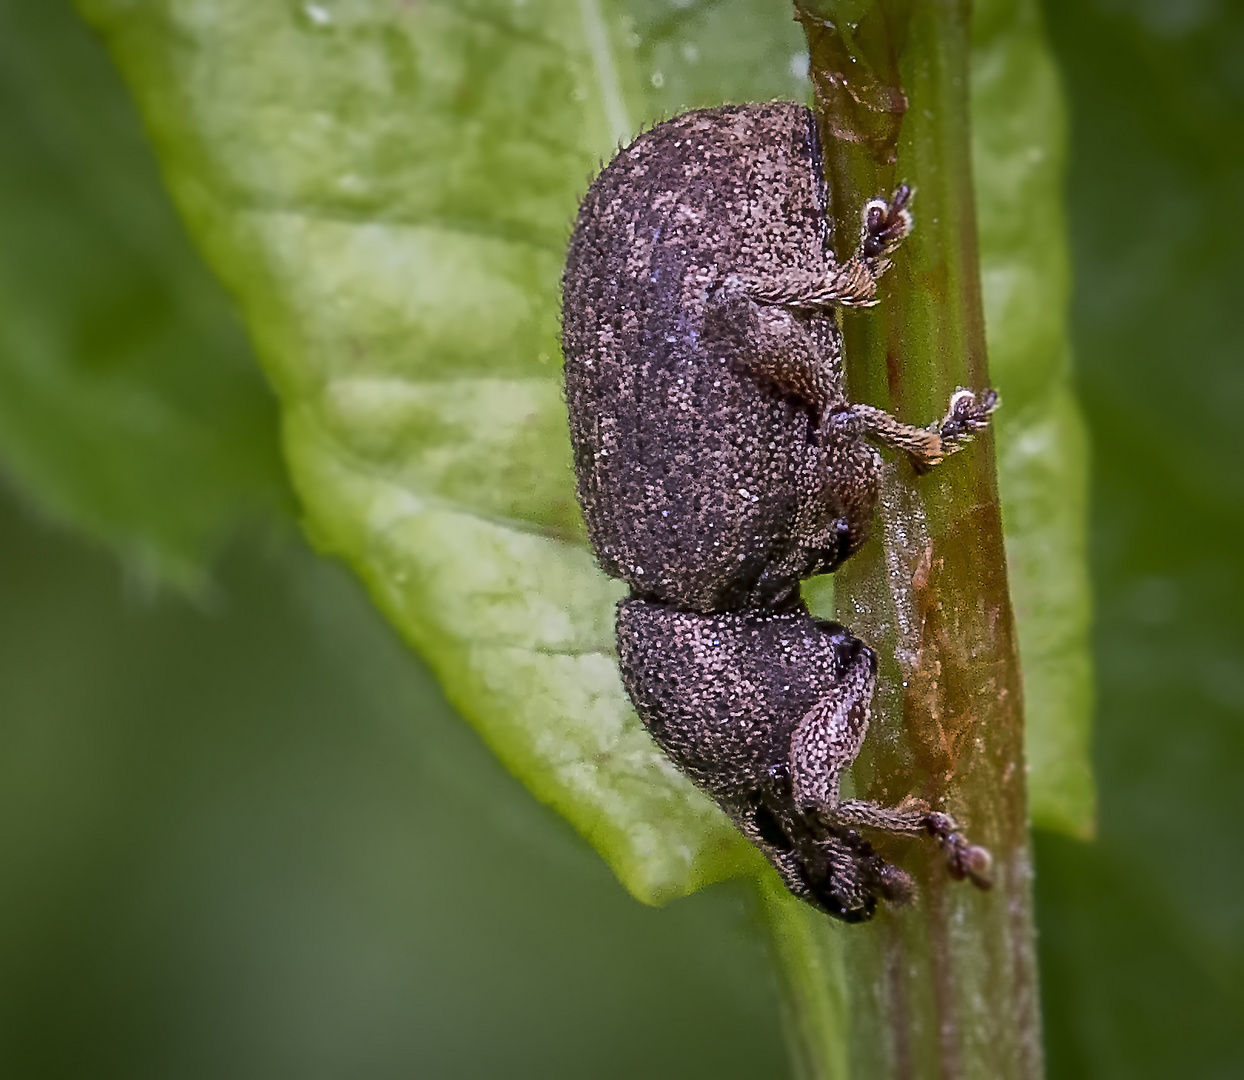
x=241, y=834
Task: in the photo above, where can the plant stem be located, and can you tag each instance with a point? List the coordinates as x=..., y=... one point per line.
x=808, y=949
x=947, y=987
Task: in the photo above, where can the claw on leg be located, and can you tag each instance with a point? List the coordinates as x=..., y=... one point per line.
x=885, y=224
x=967, y=414
x=965, y=859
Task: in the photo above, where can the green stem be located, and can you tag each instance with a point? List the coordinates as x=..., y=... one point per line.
x=947, y=987
x=808, y=949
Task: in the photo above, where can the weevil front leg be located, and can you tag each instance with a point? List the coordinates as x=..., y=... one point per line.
x=829, y=736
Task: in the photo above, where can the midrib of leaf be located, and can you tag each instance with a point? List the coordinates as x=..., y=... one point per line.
x=597, y=37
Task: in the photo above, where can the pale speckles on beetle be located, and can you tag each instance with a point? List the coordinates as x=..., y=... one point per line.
x=719, y=463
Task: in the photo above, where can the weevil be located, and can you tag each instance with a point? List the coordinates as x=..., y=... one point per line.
x=719, y=462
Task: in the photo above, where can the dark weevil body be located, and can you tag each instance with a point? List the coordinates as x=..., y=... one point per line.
x=719, y=463
x=699, y=478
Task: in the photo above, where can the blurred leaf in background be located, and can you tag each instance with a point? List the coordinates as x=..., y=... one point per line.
x=1142, y=933
x=130, y=403
x=257, y=843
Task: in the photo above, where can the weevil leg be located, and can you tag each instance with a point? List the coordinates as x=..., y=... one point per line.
x=967, y=414
x=908, y=817
x=826, y=742
x=913, y=817
x=799, y=353
x=884, y=223
x=847, y=469
x=828, y=738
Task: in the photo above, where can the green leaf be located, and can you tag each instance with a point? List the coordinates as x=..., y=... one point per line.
x=130, y=406
x=387, y=189
x=1019, y=151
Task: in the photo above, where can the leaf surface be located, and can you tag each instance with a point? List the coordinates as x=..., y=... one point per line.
x=387, y=188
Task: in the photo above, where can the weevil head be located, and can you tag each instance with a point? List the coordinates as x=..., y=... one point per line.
x=833, y=868
x=847, y=878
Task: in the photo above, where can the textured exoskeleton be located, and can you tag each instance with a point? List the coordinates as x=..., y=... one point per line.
x=718, y=459
x=719, y=463
x=765, y=711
